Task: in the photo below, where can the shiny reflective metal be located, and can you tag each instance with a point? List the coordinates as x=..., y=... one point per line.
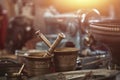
x=108, y=33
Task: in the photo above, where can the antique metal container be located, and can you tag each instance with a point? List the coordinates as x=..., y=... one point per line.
x=65, y=58
x=38, y=63
x=108, y=33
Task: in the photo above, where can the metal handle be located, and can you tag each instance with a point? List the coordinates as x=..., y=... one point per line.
x=19, y=73
x=56, y=42
x=40, y=35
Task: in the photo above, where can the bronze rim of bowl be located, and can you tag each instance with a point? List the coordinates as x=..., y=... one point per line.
x=38, y=54
x=66, y=49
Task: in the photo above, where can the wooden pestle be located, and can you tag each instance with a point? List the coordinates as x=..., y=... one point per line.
x=56, y=42
x=40, y=35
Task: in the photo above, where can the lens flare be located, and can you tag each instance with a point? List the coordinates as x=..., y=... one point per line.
x=72, y=4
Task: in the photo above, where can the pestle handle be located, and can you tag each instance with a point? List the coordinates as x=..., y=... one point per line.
x=20, y=71
x=40, y=35
x=56, y=42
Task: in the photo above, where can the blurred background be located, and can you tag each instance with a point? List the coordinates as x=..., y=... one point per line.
x=40, y=15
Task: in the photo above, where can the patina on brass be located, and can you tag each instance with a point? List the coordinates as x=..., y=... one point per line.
x=37, y=63
x=65, y=58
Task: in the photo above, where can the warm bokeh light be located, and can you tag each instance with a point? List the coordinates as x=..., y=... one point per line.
x=82, y=2
x=76, y=4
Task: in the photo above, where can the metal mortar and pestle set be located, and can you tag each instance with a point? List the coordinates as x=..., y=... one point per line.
x=64, y=58
x=40, y=62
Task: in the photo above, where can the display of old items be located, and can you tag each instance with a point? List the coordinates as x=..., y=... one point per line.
x=96, y=57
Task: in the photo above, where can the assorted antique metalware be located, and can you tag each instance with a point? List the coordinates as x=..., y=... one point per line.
x=66, y=63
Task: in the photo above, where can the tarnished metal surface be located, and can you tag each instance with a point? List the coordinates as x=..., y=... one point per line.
x=65, y=59
x=98, y=74
x=38, y=64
